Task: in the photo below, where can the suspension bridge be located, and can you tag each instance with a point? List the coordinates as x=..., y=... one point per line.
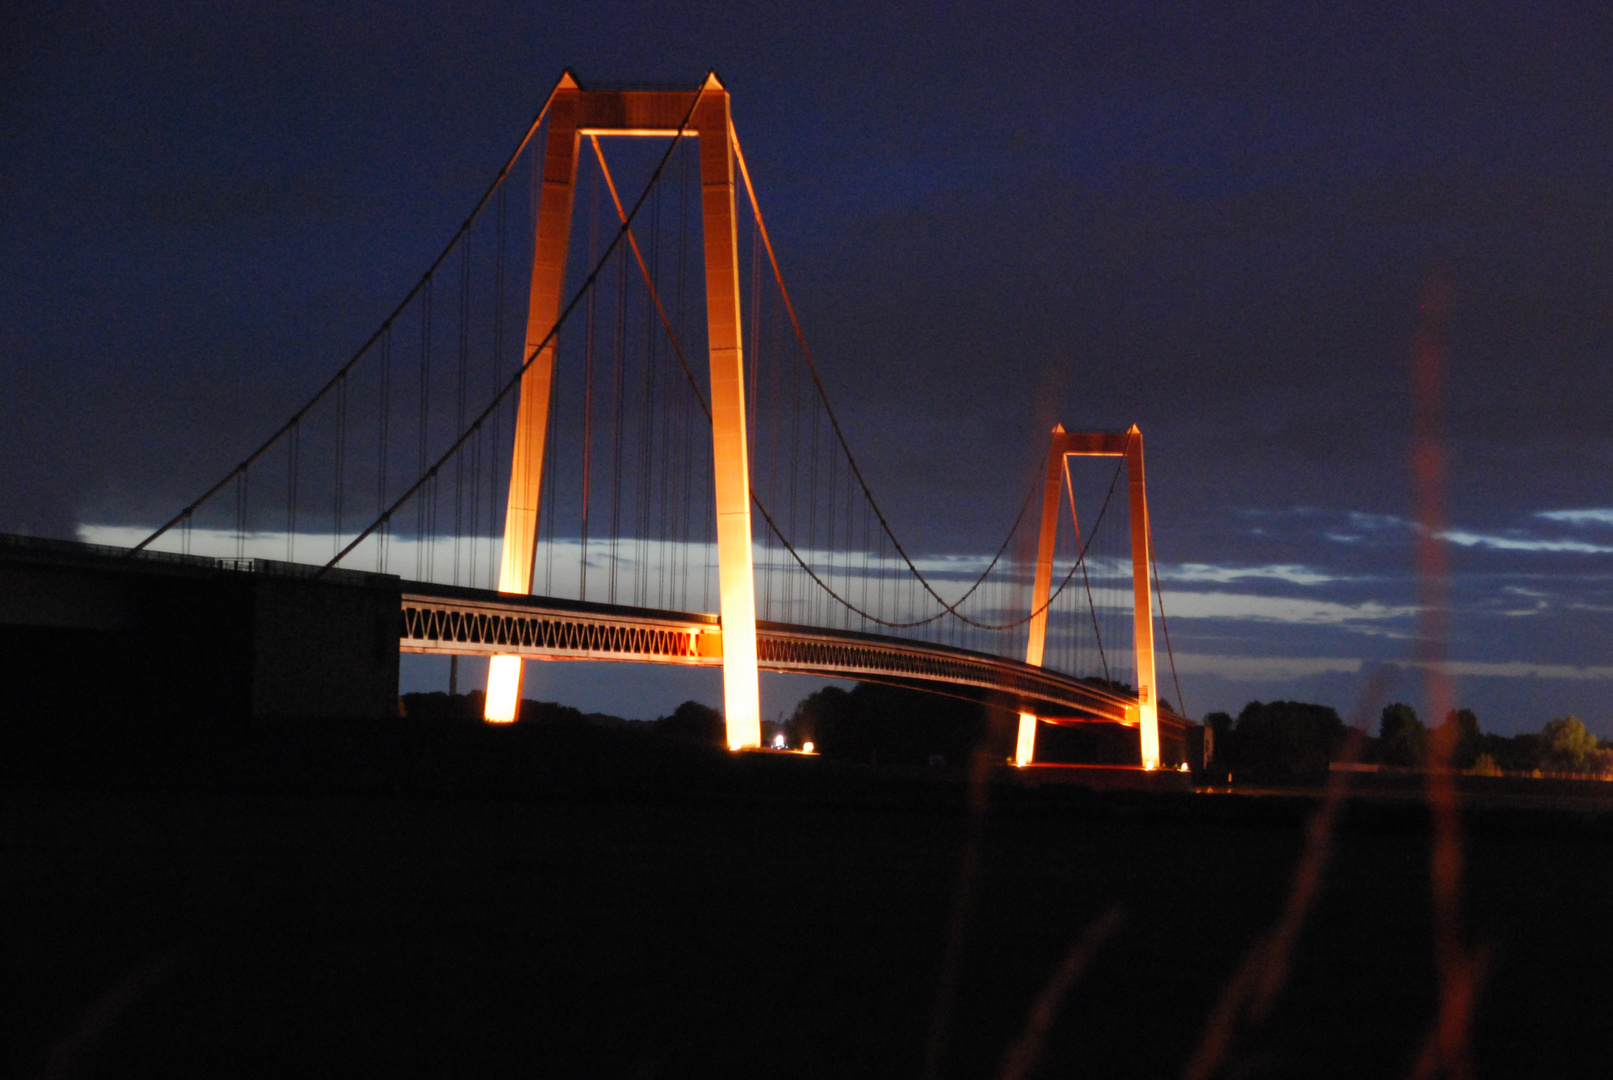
x=564, y=479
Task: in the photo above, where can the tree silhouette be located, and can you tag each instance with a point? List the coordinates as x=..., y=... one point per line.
x=694, y=722
x=1402, y=738
x=814, y=715
x=1568, y=747
x=892, y=725
x=1280, y=742
x=1469, y=741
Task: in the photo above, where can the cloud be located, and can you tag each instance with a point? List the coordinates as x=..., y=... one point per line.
x=434, y=560
x=1282, y=609
x=966, y=567
x=1514, y=543
x=1360, y=527
x=1292, y=573
x=1289, y=668
x=1521, y=669
x=1362, y=520
x=405, y=555
x=1265, y=668
x=1579, y=517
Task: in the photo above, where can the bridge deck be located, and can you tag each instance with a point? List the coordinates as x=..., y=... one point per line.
x=476, y=622
x=282, y=627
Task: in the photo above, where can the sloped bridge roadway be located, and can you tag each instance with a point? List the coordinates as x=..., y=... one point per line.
x=452, y=620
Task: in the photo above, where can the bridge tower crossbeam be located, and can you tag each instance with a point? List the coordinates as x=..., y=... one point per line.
x=702, y=114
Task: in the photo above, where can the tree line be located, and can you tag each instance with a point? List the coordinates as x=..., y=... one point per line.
x=872, y=723
x=1280, y=742
x=689, y=722
x=1294, y=742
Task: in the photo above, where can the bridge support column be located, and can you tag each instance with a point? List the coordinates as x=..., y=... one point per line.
x=1036, y=638
x=1142, y=603
x=1025, y=745
x=736, y=573
x=1128, y=445
x=550, y=244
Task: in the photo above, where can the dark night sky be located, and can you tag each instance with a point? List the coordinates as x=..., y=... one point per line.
x=1216, y=222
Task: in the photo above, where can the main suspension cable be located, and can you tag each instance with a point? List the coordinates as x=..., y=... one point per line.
x=840, y=435
x=694, y=385
x=1075, y=519
x=817, y=380
x=386, y=325
x=515, y=380
x=1181, y=706
x=644, y=269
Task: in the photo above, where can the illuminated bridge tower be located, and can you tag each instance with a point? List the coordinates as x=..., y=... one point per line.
x=1129, y=445
x=702, y=114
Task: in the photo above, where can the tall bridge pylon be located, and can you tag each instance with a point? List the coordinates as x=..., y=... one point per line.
x=1062, y=446
x=702, y=114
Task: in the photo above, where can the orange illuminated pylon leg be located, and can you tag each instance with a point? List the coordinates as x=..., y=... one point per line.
x=1025, y=749
x=736, y=575
x=1025, y=744
x=553, y=237
x=1142, y=603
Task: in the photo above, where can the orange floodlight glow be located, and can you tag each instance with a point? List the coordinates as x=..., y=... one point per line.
x=503, y=689
x=808, y=748
x=1025, y=747
x=1148, y=732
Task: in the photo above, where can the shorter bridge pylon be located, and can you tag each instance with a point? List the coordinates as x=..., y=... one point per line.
x=1128, y=445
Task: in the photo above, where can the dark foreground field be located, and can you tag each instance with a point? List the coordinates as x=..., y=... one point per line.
x=411, y=902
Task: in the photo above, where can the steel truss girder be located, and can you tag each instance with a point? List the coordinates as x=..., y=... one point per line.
x=814, y=652
x=470, y=622
x=434, y=624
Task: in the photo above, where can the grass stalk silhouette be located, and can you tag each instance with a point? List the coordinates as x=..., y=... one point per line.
x=946, y=988
x=1453, y=964
x=1247, y=999
x=1023, y=1057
